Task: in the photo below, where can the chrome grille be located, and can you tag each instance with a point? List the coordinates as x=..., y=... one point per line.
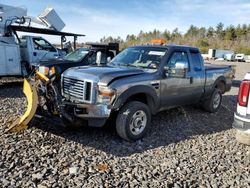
x=74, y=89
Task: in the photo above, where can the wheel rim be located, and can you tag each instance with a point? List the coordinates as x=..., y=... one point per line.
x=217, y=99
x=138, y=122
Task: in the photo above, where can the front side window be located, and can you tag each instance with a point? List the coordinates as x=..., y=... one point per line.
x=177, y=63
x=92, y=57
x=177, y=57
x=141, y=57
x=41, y=44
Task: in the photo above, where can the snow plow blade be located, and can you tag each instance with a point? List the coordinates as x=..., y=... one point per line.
x=29, y=89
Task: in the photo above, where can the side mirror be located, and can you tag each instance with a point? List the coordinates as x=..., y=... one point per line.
x=178, y=71
x=181, y=65
x=166, y=69
x=108, y=59
x=98, y=58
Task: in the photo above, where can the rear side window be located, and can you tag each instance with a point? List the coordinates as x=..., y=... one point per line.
x=196, y=60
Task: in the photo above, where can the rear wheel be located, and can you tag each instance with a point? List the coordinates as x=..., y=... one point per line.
x=133, y=120
x=213, y=103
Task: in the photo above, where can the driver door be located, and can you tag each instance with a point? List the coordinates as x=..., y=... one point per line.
x=176, y=87
x=42, y=50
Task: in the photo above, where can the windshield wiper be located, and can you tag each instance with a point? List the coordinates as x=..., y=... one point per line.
x=124, y=64
x=127, y=65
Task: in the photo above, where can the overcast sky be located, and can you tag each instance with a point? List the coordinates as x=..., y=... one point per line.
x=98, y=18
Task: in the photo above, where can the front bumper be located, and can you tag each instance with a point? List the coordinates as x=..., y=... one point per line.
x=241, y=123
x=95, y=115
x=90, y=111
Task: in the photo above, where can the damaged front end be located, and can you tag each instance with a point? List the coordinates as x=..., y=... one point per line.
x=86, y=100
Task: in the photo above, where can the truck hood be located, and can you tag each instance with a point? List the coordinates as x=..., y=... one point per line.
x=53, y=62
x=104, y=74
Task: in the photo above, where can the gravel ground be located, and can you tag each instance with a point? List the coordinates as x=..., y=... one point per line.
x=185, y=147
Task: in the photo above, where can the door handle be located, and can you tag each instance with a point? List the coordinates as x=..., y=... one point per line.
x=34, y=53
x=191, y=80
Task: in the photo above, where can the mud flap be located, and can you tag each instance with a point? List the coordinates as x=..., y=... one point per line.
x=29, y=89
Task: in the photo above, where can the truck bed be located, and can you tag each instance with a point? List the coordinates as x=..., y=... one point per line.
x=209, y=66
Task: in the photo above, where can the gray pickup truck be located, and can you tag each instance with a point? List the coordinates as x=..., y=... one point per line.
x=140, y=82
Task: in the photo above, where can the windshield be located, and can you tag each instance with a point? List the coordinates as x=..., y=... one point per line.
x=77, y=55
x=142, y=57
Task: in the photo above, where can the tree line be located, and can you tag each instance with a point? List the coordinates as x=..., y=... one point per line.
x=236, y=38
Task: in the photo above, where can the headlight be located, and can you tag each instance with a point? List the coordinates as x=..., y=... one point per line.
x=52, y=71
x=47, y=71
x=105, y=91
x=105, y=94
x=44, y=70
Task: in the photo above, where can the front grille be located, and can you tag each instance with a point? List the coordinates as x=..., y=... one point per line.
x=77, y=90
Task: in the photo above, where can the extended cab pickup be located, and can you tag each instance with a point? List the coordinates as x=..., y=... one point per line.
x=139, y=82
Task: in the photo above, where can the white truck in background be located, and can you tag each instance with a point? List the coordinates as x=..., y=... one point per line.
x=242, y=115
x=240, y=57
x=20, y=54
x=229, y=57
x=17, y=58
x=219, y=54
x=247, y=58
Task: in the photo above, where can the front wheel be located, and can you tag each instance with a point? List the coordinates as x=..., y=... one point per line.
x=213, y=103
x=133, y=120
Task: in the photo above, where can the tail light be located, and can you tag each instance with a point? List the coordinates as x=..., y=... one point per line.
x=244, y=93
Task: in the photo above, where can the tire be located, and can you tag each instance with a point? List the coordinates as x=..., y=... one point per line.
x=214, y=102
x=242, y=137
x=133, y=120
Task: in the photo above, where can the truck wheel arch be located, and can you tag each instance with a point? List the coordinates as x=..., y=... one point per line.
x=142, y=94
x=220, y=84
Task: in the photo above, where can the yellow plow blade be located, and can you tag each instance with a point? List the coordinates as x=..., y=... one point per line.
x=29, y=89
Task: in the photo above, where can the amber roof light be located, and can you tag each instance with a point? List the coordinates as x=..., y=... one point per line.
x=158, y=41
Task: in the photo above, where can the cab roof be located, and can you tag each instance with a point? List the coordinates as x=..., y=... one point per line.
x=172, y=46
